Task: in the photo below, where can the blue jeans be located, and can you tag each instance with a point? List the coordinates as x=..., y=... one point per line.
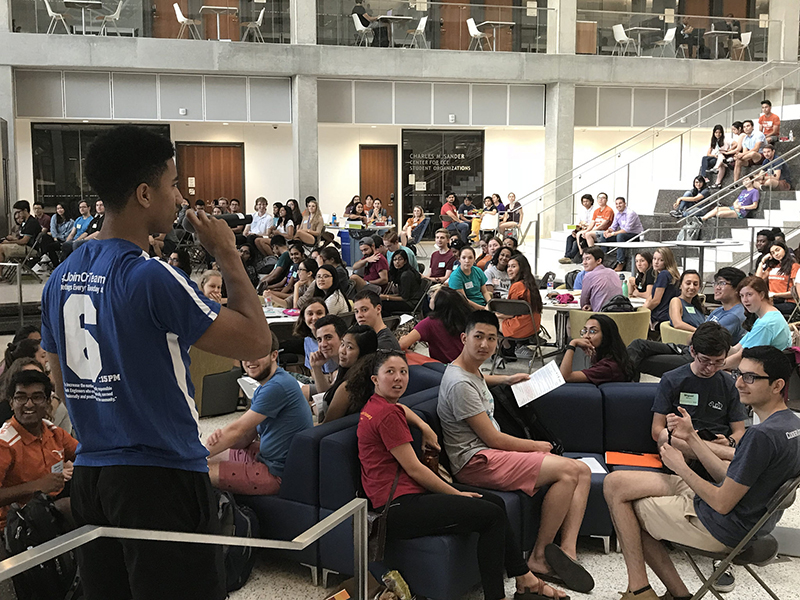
x=707, y=163
x=621, y=237
x=688, y=208
x=461, y=228
x=572, y=247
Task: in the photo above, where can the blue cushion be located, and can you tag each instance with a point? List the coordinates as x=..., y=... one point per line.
x=573, y=412
x=280, y=519
x=420, y=378
x=436, y=366
x=339, y=469
x=412, y=400
x=628, y=417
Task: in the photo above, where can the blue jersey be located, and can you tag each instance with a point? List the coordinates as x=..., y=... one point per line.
x=121, y=324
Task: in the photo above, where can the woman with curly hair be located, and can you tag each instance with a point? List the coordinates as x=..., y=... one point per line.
x=601, y=341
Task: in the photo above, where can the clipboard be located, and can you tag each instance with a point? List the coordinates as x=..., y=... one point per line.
x=634, y=460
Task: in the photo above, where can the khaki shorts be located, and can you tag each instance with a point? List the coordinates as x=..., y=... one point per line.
x=14, y=251
x=673, y=518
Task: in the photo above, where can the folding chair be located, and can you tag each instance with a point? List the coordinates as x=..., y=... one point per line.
x=30, y=260
x=392, y=322
x=796, y=311
x=424, y=288
x=750, y=551
x=416, y=235
x=516, y=308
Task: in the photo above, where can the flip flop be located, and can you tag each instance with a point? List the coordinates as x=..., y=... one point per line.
x=574, y=575
x=550, y=577
x=527, y=594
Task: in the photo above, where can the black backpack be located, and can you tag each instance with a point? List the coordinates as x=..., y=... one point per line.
x=547, y=278
x=569, y=278
x=240, y=521
x=521, y=422
x=27, y=526
x=617, y=304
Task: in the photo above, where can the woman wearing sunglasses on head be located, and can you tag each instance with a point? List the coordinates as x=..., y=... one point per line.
x=600, y=340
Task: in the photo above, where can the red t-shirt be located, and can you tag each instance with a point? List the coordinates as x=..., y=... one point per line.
x=381, y=428
x=769, y=124
x=604, y=371
x=373, y=270
x=441, y=262
x=446, y=207
x=441, y=345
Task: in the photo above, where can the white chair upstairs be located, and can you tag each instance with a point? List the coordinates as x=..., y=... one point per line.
x=362, y=32
x=112, y=19
x=186, y=24
x=623, y=41
x=669, y=38
x=55, y=19
x=745, y=47
x=254, y=27
x=478, y=37
x=418, y=35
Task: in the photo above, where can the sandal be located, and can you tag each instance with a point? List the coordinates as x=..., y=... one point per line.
x=527, y=594
x=575, y=577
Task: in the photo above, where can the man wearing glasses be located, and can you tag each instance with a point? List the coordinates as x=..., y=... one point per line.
x=685, y=508
x=655, y=358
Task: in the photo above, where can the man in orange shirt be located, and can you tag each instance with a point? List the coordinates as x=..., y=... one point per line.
x=35, y=455
x=601, y=220
x=769, y=123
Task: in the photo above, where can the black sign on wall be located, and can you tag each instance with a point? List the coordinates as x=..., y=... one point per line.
x=436, y=162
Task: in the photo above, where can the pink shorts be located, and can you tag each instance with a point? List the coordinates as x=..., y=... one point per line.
x=503, y=470
x=243, y=473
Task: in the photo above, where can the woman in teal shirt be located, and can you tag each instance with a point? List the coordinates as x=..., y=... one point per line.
x=469, y=280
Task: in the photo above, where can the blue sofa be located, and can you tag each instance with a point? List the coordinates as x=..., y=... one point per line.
x=323, y=474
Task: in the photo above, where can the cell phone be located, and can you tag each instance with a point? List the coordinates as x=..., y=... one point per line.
x=706, y=434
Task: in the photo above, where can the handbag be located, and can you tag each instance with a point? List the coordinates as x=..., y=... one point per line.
x=376, y=526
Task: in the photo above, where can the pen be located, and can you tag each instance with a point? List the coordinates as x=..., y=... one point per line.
x=629, y=452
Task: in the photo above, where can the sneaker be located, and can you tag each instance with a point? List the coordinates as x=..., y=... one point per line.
x=675, y=213
x=726, y=581
x=565, y=260
x=524, y=352
x=619, y=267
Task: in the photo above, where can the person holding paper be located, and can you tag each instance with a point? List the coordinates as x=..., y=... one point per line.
x=601, y=341
x=648, y=507
x=481, y=455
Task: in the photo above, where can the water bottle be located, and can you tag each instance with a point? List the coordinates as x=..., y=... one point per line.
x=390, y=220
x=267, y=300
x=549, y=285
x=791, y=135
x=624, y=286
x=333, y=219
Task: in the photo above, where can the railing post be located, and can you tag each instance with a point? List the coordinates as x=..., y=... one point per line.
x=752, y=245
x=360, y=568
x=536, y=247
x=19, y=294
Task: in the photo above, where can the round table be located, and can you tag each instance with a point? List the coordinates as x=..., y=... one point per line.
x=701, y=245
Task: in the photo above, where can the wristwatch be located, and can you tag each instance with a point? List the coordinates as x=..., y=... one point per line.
x=731, y=441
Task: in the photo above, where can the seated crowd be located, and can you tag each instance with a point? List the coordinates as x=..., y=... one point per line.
x=722, y=475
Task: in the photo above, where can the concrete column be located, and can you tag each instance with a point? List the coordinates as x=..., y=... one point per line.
x=561, y=27
x=783, y=30
x=5, y=15
x=7, y=145
x=303, y=21
x=305, y=143
x=559, y=135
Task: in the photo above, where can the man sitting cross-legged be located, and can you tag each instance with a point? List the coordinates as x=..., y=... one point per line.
x=248, y=456
x=481, y=455
x=685, y=508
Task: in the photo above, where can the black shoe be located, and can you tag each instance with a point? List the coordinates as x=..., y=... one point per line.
x=675, y=213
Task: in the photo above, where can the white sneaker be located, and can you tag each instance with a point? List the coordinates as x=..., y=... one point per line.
x=726, y=581
x=523, y=352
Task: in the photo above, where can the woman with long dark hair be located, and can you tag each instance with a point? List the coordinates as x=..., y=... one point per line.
x=295, y=214
x=714, y=160
x=326, y=287
x=409, y=286
x=283, y=224
x=641, y=286
x=685, y=205
x=523, y=287
x=358, y=344
x=601, y=341
x=424, y=504
x=351, y=205
x=358, y=214
x=443, y=327
x=779, y=269
x=687, y=311
x=497, y=278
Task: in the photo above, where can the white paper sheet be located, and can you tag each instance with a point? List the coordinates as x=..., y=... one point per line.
x=595, y=466
x=248, y=385
x=540, y=383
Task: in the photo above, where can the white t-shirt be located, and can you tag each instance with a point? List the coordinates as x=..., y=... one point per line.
x=261, y=225
x=585, y=214
x=282, y=228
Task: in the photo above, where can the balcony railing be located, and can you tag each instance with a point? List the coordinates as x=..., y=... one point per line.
x=694, y=37
x=435, y=25
x=140, y=18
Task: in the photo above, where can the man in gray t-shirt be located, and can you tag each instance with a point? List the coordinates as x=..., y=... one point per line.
x=483, y=456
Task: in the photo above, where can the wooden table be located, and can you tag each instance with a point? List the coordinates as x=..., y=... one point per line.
x=219, y=10
x=639, y=31
x=84, y=5
x=495, y=25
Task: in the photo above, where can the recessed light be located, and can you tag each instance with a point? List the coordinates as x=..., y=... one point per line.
x=374, y=126
x=224, y=123
x=85, y=120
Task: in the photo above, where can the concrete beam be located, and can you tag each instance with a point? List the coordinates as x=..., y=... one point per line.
x=305, y=137
x=23, y=50
x=783, y=31
x=562, y=21
x=303, y=21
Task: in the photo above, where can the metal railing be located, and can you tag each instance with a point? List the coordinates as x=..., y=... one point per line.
x=356, y=508
x=18, y=268
x=690, y=111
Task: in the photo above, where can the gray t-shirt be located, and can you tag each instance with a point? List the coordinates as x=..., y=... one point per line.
x=387, y=340
x=768, y=455
x=499, y=279
x=462, y=395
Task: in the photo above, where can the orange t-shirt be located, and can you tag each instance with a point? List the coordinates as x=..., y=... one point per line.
x=769, y=124
x=522, y=326
x=25, y=457
x=779, y=283
x=603, y=214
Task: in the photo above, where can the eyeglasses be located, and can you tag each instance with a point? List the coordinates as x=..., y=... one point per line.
x=721, y=283
x=321, y=276
x=591, y=331
x=747, y=377
x=38, y=398
x=707, y=362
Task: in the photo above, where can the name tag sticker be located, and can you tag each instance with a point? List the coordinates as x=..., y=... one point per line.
x=690, y=310
x=689, y=399
x=441, y=265
x=58, y=467
x=468, y=285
